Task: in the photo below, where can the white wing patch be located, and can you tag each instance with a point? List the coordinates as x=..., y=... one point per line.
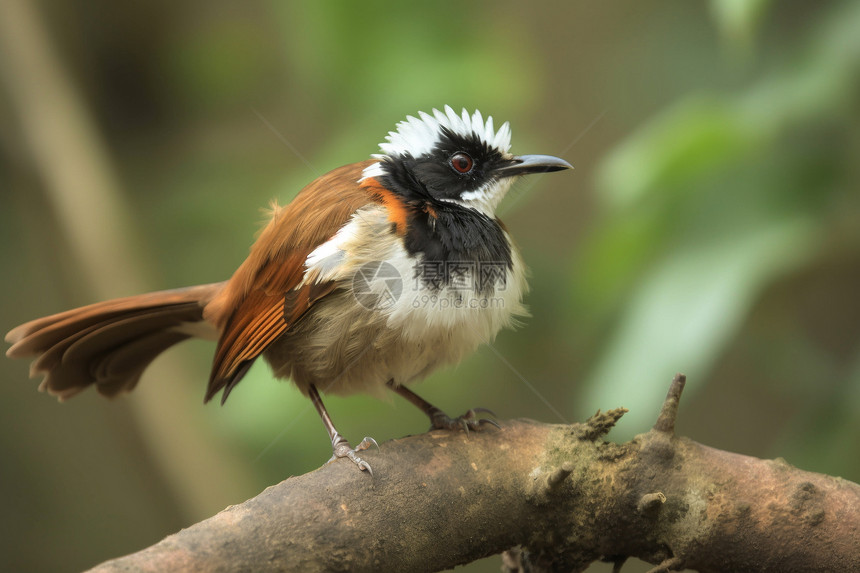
x=327, y=262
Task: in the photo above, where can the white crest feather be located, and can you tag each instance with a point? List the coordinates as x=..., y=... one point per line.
x=417, y=136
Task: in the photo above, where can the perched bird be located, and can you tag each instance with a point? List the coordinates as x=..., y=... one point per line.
x=374, y=275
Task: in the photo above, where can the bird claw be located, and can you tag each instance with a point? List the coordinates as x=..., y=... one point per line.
x=342, y=449
x=466, y=422
x=362, y=465
x=366, y=443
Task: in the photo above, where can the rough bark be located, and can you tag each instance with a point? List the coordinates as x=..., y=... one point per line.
x=559, y=494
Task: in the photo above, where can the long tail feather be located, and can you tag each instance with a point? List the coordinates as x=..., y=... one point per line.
x=108, y=344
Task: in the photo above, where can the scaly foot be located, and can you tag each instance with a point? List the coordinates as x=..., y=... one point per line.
x=439, y=420
x=342, y=449
x=468, y=421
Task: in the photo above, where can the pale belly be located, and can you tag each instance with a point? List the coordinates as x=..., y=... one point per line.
x=342, y=347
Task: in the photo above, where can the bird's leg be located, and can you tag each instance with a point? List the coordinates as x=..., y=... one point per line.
x=339, y=445
x=441, y=421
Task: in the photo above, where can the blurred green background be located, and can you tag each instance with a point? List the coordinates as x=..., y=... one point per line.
x=712, y=227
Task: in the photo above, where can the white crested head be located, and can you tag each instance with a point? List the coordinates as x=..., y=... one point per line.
x=416, y=136
x=450, y=158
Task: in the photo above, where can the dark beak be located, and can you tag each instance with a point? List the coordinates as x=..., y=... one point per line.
x=523, y=164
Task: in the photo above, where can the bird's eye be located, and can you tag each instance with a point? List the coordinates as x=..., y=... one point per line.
x=461, y=162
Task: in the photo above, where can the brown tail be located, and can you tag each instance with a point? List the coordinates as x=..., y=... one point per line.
x=110, y=343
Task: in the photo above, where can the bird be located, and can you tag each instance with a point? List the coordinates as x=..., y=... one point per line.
x=373, y=276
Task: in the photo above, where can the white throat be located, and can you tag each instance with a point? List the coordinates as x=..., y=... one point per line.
x=486, y=199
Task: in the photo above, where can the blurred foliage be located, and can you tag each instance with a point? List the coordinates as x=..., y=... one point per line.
x=710, y=227
x=739, y=20
x=712, y=202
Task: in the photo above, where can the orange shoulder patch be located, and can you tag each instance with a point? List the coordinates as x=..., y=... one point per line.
x=397, y=210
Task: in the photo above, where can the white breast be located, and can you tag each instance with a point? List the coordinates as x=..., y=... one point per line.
x=387, y=322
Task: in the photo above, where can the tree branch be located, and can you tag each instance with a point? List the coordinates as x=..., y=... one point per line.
x=558, y=493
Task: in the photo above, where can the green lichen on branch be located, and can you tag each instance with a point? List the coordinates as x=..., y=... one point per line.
x=598, y=425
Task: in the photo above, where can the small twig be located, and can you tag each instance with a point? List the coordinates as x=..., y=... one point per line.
x=673, y=564
x=513, y=561
x=557, y=477
x=668, y=413
x=650, y=503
